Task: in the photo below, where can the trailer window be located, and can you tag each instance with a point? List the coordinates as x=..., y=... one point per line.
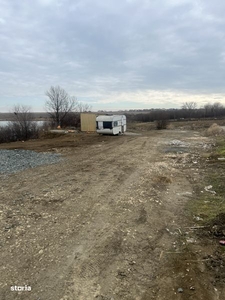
x=107, y=125
x=115, y=124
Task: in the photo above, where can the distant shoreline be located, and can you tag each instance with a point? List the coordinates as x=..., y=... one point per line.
x=38, y=116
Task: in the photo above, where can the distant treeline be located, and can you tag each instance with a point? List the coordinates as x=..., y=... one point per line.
x=216, y=110
x=37, y=116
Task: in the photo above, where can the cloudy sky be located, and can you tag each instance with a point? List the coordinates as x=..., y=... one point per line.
x=112, y=54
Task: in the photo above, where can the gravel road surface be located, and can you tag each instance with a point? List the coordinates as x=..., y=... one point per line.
x=106, y=223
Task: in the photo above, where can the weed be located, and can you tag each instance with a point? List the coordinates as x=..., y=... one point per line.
x=221, y=147
x=208, y=204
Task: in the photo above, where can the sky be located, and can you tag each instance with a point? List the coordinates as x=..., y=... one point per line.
x=112, y=54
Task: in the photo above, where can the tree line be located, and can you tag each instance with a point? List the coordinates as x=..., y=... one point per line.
x=187, y=111
x=63, y=110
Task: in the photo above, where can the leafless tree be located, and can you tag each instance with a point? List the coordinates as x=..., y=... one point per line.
x=208, y=108
x=217, y=109
x=23, y=126
x=59, y=104
x=214, y=110
x=83, y=107
x=190, y=107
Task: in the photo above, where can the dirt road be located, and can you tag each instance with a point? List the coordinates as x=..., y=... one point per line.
x=107, y=222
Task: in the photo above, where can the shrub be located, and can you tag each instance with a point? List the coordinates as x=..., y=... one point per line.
x=15, y=132
x=71, y=120
x=215, y=129
x=161, y=124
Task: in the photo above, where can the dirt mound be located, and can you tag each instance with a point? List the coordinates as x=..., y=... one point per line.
x=215, y=129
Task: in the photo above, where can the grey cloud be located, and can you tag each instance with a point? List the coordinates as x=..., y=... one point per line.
x=111, y=46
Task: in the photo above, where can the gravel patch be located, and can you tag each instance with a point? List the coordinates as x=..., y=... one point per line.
x=12, y=161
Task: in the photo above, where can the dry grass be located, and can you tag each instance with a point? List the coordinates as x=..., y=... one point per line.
x=146, y=126
x=56, y=140
x=183, y=125
x=215, y=130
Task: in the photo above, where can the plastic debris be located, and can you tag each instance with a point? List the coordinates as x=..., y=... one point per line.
x=178, y=143
x=209, y=189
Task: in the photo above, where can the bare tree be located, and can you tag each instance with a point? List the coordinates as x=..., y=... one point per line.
x=214, y=110
x=23, y=126
x=83, y=107
x=59, y=104
x=190, y=107
x=218, y=109
x=208, y=108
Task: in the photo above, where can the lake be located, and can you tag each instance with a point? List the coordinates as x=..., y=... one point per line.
x=5, y=123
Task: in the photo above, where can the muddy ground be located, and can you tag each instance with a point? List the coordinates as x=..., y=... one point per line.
x=109, y=222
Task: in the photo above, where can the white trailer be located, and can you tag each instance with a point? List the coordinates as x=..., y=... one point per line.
x=111, y=124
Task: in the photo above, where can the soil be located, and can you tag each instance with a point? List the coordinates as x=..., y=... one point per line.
x=108, y=222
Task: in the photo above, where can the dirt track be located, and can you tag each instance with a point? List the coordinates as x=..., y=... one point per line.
x=104, y=223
